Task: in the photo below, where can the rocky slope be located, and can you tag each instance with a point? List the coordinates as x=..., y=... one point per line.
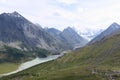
x=73, y=38
x=68, y=36
x=113, y=29
x=21, y=39
x=18, y=32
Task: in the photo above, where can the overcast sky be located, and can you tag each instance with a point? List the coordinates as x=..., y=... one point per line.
x=81, y=14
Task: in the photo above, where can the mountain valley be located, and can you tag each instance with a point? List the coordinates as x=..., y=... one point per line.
x=95, y=61
x=59, y=40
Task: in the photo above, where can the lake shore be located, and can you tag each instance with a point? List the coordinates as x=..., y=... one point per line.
x=34, y=62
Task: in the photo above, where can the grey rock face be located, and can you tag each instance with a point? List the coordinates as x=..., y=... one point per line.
x=110, y=31
x=68, y=37
x=15, y=28
x=73, y=38
x=18, y=32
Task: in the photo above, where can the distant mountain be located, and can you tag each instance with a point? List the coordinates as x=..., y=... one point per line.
x=89, y=34
x=17, y=31
x=73, y=38
x=68, y=36
x=113, y=29
x=54, y=32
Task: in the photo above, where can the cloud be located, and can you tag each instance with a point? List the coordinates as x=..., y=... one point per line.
x=62, y=13
x=68, y=1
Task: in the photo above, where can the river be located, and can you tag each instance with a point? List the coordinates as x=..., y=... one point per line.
x=34, y=62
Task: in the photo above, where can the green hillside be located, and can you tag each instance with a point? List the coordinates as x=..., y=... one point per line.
x=11, y=58
x=14, y=55
x=98, y=61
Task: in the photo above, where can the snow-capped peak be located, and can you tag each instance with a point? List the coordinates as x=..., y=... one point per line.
x=89, y=34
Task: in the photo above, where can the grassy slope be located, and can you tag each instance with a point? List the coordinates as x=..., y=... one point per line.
x=100, y=57
x=11, y=58
x=14, y=55
x=8, y=67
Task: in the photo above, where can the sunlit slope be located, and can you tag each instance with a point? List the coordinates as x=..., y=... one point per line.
x=92, y=62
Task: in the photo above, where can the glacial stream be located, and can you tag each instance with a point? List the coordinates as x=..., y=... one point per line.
x=34, y=62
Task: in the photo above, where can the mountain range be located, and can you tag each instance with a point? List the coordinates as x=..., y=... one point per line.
x=16, y=32
x=69, y=37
